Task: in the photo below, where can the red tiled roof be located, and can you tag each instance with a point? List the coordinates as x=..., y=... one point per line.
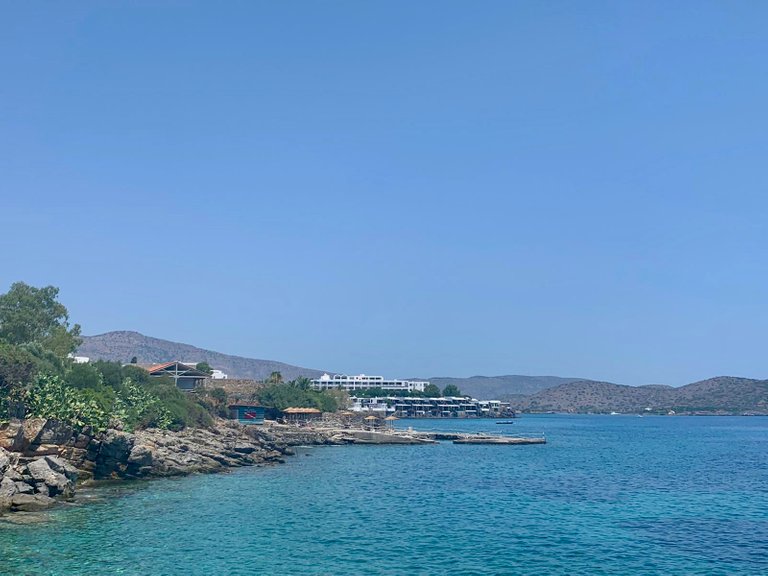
x=156, y=367
x=182, y=370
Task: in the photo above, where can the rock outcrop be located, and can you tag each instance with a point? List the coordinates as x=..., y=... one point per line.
x=43, y=460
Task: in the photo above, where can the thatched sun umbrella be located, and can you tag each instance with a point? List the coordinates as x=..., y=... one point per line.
x=371, y=420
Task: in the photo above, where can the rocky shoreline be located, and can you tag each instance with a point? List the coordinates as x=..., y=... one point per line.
x=44, y=461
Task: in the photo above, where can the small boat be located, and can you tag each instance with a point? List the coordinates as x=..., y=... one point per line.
x=506, y=422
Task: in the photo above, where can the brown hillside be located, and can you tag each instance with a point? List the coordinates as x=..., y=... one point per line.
x=716, y=395
x=124, y=345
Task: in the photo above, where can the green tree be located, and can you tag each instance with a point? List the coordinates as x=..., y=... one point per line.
x=134, y=360
x=451, y=390
x=275, y=378
x=111, y=372
x=33, y=315
x=84, y=376
x=48, y=362
x=282, y=396
x=204, y=367
x=432, y=391
x=17, y=367
x=302, y=382
x=340, y=398
x=138, y=374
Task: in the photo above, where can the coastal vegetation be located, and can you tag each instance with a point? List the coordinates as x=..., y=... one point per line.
x=451, y=390
x=430, y=391
x=36, y=337
x=277, y=395
x=38, y=378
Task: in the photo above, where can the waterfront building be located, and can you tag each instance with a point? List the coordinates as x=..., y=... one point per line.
x=185, y=377
x=444, y=407
x=362, y=381
x=247, y=413
x=301, y=415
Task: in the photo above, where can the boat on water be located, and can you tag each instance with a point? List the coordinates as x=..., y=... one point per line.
x=506, y=422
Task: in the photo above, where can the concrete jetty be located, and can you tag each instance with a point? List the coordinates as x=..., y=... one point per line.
x=480, y=439
x=366, y=437
x=348, y=435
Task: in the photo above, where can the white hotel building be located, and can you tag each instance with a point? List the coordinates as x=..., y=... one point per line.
x=361, y=381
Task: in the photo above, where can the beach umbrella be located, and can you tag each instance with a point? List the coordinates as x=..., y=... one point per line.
x=371, y=420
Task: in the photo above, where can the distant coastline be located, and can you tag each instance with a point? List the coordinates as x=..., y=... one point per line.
x=533, y=394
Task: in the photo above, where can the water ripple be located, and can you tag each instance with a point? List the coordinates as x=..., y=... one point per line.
x=606, y=495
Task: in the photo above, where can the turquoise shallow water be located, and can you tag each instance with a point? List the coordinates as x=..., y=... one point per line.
x=606, y=495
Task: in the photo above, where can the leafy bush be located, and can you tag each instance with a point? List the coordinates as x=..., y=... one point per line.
x=37, y=378
x=183, y=409
x=282, y=396
x=91, y=395
x=50, y=397
x=136, y=407
x=84, y=376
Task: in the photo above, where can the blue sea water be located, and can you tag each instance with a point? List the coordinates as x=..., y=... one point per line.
x=606, y=495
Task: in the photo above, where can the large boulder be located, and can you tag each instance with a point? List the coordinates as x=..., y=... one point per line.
x=28, y=433
x=13, y=474
x=5, y=461
x=9, y=431
x=113, y=451
x=23, y=488
x=55, y=482
x=7, y=488
x=61, y=466
x=35, y=450
x=75, y=456
x=54, y=432
x=31, y=502
x=140, y=460
x=82, y=441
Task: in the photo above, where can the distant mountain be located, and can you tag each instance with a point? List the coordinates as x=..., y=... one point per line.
x=534, y=393
x=723, y=394
x=122, y=346
x=502, y=387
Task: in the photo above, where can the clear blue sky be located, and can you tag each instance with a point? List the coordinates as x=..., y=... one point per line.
x=401, y=188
